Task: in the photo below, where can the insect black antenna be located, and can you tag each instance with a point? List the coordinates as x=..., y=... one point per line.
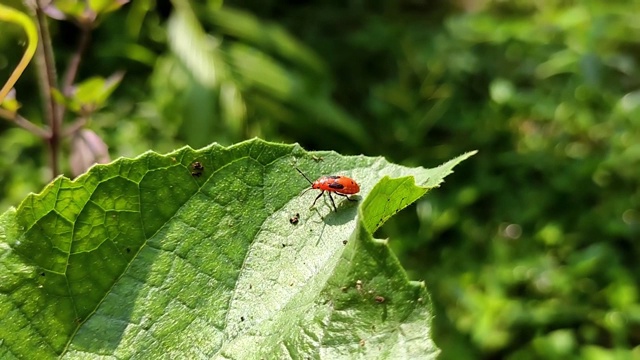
x=305, y=176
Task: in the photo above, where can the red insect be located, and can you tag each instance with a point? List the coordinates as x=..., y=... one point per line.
x=339, y=185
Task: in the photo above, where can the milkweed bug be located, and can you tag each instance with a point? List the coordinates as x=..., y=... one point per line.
x=339, y=185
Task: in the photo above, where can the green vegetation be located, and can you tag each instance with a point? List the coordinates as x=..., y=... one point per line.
x=193, y=254
x=530, y=251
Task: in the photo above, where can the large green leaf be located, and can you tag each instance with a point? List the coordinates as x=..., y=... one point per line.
x=158, y=257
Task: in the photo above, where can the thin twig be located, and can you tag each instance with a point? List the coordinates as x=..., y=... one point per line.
x=50, y=78
x=45, y=89
x=74, y=65
x=25, y=124
x=74, y=127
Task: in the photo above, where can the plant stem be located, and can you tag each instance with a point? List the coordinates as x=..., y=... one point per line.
x=74, y=65
x=75, y=126
x=48, y=81
x=25, y=124
x=10, y=15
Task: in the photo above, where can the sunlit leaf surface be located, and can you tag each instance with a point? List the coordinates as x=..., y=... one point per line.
x=196, y=254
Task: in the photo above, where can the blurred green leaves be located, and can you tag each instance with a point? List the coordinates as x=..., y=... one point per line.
x=524, y=254
x=89, y=95
x=533, y=249
x=85, y=13
x=145, y=257
x=241, y=68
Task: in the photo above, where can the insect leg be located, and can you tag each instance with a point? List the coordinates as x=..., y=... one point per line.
x=333, y=203
x=318, y=197
x=347, y=196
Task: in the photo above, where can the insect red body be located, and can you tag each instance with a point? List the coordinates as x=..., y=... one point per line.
x=339, y=185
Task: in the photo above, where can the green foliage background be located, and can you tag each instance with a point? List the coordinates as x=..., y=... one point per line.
x=530, y=250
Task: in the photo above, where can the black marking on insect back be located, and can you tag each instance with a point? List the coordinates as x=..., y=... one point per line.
x=336, y=186
x=333, y=177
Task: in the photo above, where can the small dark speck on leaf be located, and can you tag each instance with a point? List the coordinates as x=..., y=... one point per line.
x=344, y=289
x=295, y=219
x=196, y=168
x=344, y=242
x=42, y=273
x=241, y=318
x=128, y=250
x=284, y=245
